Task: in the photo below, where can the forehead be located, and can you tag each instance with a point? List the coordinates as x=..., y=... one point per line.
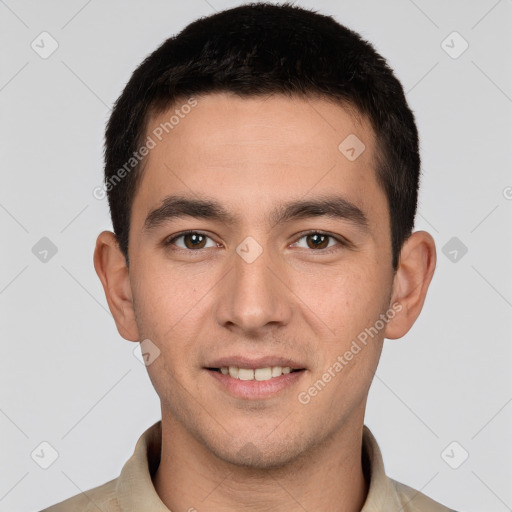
x=252, y=152
x=220, y=119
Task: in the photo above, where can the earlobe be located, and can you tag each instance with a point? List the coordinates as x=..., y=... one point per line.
x=110, y=265
x=412, y=279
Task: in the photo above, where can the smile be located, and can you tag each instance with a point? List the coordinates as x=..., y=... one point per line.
x=259, y=374
x=255, y=384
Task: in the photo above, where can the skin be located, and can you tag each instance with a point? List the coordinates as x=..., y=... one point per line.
x=294, y=301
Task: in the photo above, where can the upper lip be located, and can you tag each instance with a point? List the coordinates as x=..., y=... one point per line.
x=253, y=363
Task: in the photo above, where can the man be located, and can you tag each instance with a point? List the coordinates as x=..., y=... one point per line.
x=262, y=172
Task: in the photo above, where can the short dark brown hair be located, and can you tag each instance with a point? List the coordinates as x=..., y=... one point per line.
x=263, y=49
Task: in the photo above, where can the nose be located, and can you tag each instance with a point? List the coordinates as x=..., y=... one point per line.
x=254, y=296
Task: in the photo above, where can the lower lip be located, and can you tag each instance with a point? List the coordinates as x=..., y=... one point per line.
x=256, y=389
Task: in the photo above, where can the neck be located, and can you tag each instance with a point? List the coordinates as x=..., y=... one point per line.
x=329, y=477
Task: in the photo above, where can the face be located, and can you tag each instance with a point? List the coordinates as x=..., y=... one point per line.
x=251, y=287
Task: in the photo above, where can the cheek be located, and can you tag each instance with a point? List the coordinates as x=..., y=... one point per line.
x=347, y=300
x=170, y=310
x=163, y=296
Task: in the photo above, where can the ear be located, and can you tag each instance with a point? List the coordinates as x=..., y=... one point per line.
x=415, y=270
x=110, y=265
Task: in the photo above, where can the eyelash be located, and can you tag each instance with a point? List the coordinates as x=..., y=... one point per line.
x=341, y=241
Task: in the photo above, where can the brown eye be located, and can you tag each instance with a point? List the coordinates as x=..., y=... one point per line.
x=191, y=240
x=318, y=241
x=194, y=240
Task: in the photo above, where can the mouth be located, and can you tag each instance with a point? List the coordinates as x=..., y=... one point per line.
x=255, y=383
x=256, y=374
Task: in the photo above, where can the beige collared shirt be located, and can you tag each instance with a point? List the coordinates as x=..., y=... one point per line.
x=133, y=490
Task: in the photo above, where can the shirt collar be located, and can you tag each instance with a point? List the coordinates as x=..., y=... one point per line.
x=382, y=494
x=135, y=490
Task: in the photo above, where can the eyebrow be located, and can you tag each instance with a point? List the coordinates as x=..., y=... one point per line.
x=336, y=207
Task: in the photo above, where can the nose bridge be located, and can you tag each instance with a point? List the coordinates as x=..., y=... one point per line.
x=253, y=296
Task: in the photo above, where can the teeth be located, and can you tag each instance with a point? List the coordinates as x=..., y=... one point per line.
x=245, y=374
x=258, y=374
x=263, y=373
x=277, y=371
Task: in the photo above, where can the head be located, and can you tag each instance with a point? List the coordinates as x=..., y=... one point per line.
x=254, y=129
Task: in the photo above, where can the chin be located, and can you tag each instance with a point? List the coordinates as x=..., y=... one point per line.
x=260, y=455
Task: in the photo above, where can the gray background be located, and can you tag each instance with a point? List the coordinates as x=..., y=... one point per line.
x=68, y=378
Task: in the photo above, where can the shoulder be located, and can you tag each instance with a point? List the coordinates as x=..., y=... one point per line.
x=415, y=501
x=102, y=497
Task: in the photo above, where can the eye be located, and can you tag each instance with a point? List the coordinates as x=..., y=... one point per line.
x=192, y=240
x=315, y=240
x=319, y=241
